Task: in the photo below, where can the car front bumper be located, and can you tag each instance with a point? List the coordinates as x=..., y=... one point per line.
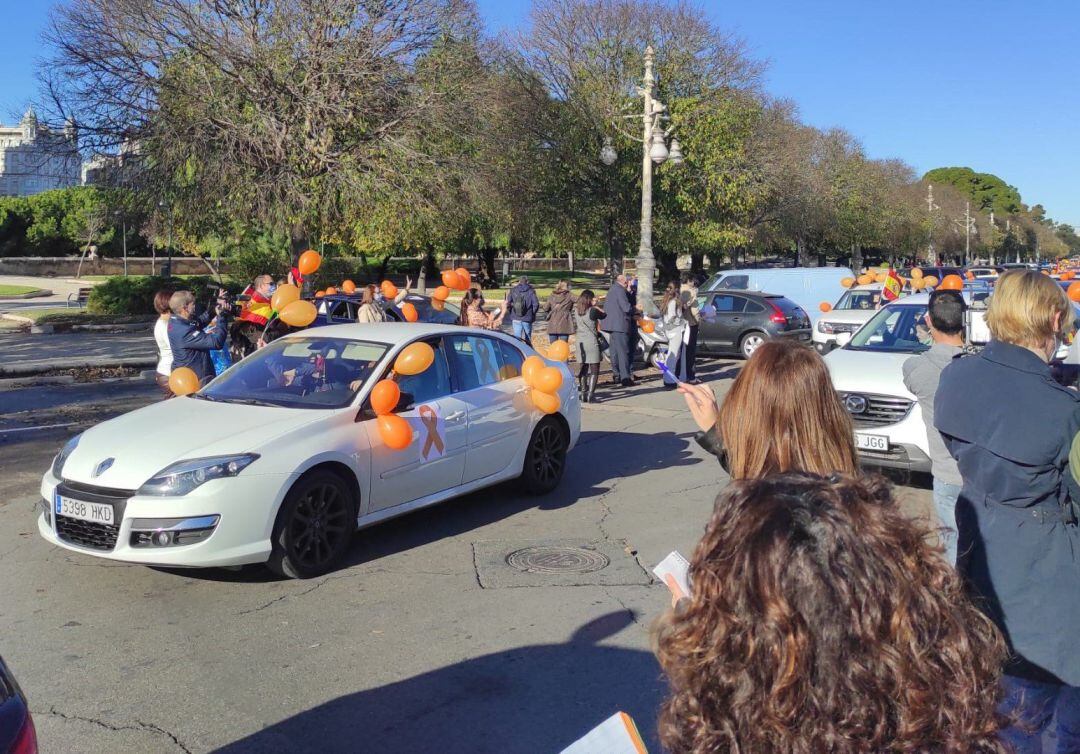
x=903, y=457
x=245, y=507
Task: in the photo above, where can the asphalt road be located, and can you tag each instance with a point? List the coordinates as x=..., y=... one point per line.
x=424, y=641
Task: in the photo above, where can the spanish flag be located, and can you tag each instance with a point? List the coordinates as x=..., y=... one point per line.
x=890, y=289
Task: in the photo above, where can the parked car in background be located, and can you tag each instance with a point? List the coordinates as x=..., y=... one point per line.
x=850, y=312
x=805, y=286
x=340, y=309
x=941, y=272
x=742, y=322
x=280, y=458
x=983, y=273
x=17, y=734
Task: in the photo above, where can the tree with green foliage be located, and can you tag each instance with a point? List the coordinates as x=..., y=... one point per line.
x=986, y=191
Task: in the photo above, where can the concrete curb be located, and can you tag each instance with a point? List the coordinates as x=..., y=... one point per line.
x=40, y=293
x=29, y=368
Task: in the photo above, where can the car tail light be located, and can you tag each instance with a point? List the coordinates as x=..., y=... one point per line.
x=777, y=316
x=26, y=741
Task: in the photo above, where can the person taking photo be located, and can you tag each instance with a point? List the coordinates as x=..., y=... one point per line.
x=190, y=344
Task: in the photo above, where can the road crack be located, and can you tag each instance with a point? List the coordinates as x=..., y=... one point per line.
x=274, y=601
x=138, y=726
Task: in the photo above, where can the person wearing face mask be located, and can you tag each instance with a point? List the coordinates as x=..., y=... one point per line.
x=944, y=323
x=1015, y=435
x=257, y=309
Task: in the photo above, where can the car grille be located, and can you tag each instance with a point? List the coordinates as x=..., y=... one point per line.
x=880, y=409
x=86, y=533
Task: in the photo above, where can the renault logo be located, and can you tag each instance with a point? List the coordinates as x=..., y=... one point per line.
x=102, y=467
x=855, y=404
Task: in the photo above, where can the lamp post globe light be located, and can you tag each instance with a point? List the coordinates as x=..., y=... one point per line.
x=655, y=149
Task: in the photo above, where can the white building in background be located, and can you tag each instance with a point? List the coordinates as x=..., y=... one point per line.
x=35, y=158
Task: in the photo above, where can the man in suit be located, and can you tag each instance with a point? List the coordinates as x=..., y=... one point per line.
x=619, y=324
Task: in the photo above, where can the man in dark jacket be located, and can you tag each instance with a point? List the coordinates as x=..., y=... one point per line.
x=619, y=324
x=521, y=307
x=1014, y=434
x=191, y=345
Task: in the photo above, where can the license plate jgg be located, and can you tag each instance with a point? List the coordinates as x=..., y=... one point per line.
x=98, y=513
x=871, y=442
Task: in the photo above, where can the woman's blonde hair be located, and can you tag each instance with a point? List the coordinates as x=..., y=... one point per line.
x=783, y=414
x=1023, y=307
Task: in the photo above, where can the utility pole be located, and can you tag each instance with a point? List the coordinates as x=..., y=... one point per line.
x=930, y=207
x=646, y=263
x=993, y=232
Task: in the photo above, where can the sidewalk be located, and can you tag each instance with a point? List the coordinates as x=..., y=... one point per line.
x=23, y=354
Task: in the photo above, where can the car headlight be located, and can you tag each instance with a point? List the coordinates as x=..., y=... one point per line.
x=62, y=456
x=825, y=327
x=182, y=477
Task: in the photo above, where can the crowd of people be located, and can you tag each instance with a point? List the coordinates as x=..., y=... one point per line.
x=821, y=618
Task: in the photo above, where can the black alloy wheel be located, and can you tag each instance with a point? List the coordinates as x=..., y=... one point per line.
x=314, y=527
x=545, y=458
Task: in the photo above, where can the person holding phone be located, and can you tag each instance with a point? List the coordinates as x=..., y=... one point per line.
x=474, y=315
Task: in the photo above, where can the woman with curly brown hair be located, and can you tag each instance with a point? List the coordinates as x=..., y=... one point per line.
x=821, y=620
x=781, y=414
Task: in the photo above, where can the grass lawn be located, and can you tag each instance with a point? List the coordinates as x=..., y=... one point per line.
x=16, y=290
x=544, y=283
x=71, y=315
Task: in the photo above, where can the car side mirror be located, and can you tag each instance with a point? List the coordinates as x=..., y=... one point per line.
x=842, y=339
x=367, y=413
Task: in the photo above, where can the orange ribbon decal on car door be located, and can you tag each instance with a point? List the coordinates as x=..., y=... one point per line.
x=430, y=420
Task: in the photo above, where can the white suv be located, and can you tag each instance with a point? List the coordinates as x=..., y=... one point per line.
x=855, y=307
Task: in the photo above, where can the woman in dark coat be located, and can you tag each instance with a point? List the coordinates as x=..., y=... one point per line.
x=558, y=308
x=1011, y=429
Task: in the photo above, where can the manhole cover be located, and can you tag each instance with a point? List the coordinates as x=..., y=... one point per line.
x=552, y=559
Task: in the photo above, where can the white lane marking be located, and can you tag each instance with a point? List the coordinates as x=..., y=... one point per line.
x=43, y=426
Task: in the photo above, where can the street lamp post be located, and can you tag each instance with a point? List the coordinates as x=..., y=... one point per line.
x=654, y=150
x=123, y=238
x=166, y=270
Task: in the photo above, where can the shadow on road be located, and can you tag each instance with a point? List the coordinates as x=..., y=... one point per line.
x=533, y=700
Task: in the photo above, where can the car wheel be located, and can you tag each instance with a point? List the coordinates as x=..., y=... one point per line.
x=314, y=527
x=545, y=458
x=654, y=358
x=750, y=342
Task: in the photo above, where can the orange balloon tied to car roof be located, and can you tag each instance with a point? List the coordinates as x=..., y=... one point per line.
x=408, y=311
x=847, y=282
x=441, y=293
x=916, y=273
x=453, y=281
x=348, y=286
x=389, y=290
x=466, y=278
x=331, y=290
x=952, y=283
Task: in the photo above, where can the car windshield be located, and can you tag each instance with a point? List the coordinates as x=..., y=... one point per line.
x=309, y=372
x=858, y=300
x=898, y=329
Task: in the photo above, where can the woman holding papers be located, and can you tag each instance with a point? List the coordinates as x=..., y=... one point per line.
x=781, y=414
x=821, y=619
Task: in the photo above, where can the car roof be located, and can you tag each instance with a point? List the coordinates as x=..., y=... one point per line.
x=395, y=333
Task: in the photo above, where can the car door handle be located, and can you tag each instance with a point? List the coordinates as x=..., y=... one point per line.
x=454, y=416
x=736, y=319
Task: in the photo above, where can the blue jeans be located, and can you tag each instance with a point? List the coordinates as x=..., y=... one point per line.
x=553, y=338
x=523, y=330
x=1033, y=705
x=945, y=504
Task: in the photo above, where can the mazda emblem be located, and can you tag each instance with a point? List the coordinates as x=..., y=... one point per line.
x=855, y=404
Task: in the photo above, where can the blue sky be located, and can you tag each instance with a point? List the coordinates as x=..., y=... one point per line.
x=993, y=85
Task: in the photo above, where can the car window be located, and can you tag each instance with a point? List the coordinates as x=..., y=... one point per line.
x=895, y=328
x=429, y=385
x=314, y=372
x=734, y=283
x=477, y=360
x=727, y=304
x=512, y=359
x=753, y=307
x=859, y=300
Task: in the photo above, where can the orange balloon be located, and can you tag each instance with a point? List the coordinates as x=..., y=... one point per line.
x=394, y=431
x=320, y=294
x=408, y=311
x=414, y=359
x=825, y=306
x=916, y=273
x=847, y=282
x=930, y=280
x=1074, y=292
x=546, y=402
x=466, y=278
x=389, y=290
x=385, y=396
x=952, y=283
x=331, y=290
x=348, y=286
x=1068, y=275
x=548, y=380
x=183, y=381
x=438, y=304
x=530, y=368
x=451, y=280
x=917, y=284
x=441, y=293
x=309, y=262
x=283, y=296
x=559, y=351
x=648, y=326
x=865, y=279
x=298, y=314
x=880, y=277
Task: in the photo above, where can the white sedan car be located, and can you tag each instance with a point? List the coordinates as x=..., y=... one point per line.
x=279, y=460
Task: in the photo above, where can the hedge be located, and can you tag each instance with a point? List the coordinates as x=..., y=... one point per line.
x=135, y=295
